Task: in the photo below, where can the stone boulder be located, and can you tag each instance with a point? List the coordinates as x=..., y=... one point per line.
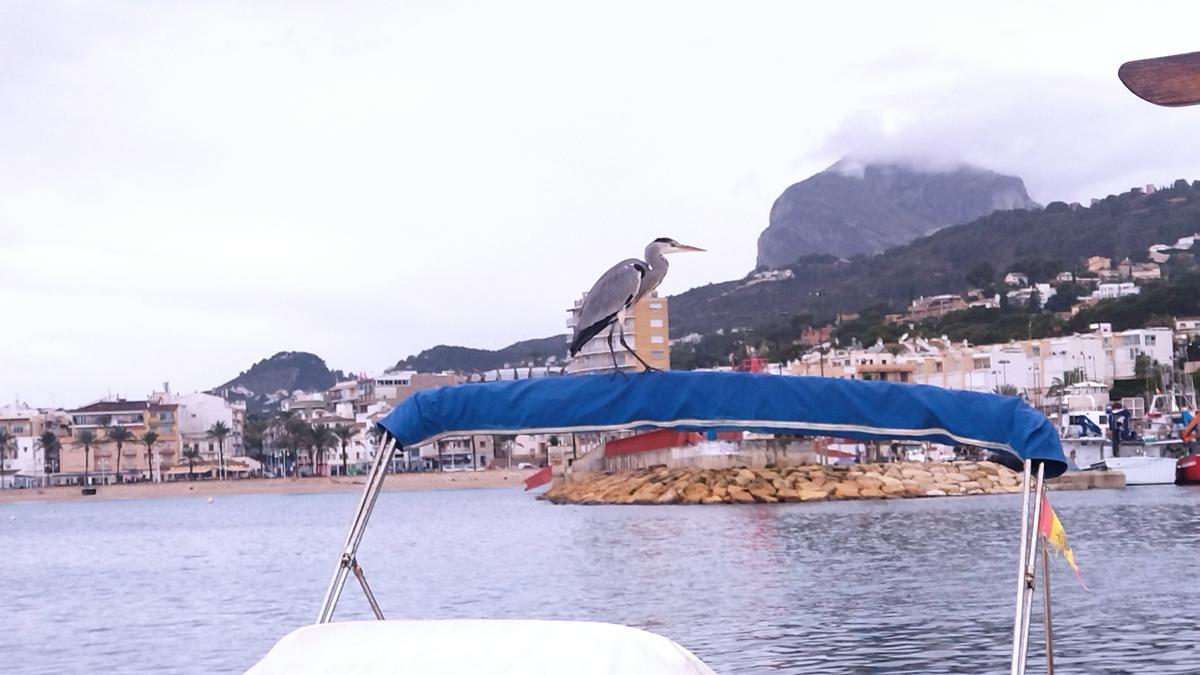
x=740, y=495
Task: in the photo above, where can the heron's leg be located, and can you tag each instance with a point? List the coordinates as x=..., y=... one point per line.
x=648, y=368
x=613, y=352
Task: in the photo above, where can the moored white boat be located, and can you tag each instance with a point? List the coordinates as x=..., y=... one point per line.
x=1144, y=470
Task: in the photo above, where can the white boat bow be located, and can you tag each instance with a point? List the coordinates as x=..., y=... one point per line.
x=477, y=647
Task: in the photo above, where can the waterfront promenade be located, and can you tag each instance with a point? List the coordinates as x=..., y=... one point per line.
x=249, y=486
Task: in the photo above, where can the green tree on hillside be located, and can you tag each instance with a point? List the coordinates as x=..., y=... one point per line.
x=981, y=274
x=1065, y=296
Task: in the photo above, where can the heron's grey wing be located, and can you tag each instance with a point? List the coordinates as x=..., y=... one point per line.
x=612, y=292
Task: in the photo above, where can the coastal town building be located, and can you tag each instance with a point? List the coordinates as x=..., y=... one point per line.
x=1187, y=327
x=396, y=385
x=101, y=462
x=647, y=330
x=1145, y=272
x=458, y=453
x=1110, y=291
x=934, y=306
x=26, y=462
x=1098, y=263
x=1029, y=366
x=1016, y=279
x=1022, y=296
x=198, y=413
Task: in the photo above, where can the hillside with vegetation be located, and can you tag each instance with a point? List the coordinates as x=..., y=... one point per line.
x=271, y=380
x=536, y=352
x=1158, y=304
x=1039, y=241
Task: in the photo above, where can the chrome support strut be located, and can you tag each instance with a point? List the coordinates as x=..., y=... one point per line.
x=1031, y=564
x=362, y=581
x=348, y=562
x=1027, y=568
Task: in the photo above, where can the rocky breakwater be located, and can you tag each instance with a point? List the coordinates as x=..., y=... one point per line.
x=806, y=483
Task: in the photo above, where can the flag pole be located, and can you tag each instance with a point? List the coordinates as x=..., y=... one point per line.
x=1016, y=651
x=1049, y=623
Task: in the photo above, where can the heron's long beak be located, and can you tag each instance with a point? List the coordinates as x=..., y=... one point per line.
x=682, y=248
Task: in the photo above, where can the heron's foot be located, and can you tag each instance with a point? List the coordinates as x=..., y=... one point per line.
x=618, y=372
x=651, y=369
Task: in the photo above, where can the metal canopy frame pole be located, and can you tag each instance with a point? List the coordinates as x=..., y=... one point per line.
x=1048, y=620
x=1031, y=563
x=347, y=562
x=1019, y=613
x=362, y=581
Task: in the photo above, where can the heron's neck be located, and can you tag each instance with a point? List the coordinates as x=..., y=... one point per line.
x=657, y=262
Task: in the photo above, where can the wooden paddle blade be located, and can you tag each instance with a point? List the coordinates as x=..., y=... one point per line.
x=1167, y=80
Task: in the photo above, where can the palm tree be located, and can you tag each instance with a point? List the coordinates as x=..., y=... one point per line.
x=191, y=455
x=85, y=439
x=149, y=439
x=1059, y=385
x=320, y=438
x=344, y=433
x=51, y=447
x=119, y=435
x=295, y=437
x=254, y=434
x=1007, y=390
x=5, y=440
x=283, y=430
x=219, y=430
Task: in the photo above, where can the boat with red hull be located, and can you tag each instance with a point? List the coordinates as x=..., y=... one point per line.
x=1187, y=470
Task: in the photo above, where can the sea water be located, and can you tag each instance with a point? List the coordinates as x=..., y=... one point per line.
x=898, y=586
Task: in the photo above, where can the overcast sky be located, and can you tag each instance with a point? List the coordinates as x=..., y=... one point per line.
x=188, y=187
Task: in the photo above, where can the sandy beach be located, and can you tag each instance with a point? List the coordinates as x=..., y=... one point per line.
x=209, y=488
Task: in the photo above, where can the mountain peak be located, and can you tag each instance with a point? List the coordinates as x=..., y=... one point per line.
x=858, y=206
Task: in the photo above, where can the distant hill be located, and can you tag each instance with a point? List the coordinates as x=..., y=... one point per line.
x=1056, y=237
x=540, y=351
x=271, y=380
x=852, y=208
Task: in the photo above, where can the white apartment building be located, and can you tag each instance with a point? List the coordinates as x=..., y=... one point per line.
x=1111, y=291
x=459, y=453
x=198, y=413
x=25, y=460
x=1031, y=366
x=647, y=331
x=397, y=385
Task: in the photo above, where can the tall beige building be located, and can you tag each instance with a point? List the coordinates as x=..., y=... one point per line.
x=647, y=330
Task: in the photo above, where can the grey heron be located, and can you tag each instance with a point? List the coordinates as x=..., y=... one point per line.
x=618, y=290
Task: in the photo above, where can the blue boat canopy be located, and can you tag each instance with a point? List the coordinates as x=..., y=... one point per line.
x=699, y=401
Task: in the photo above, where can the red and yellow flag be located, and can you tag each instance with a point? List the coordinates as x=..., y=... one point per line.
x=1051, y=529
